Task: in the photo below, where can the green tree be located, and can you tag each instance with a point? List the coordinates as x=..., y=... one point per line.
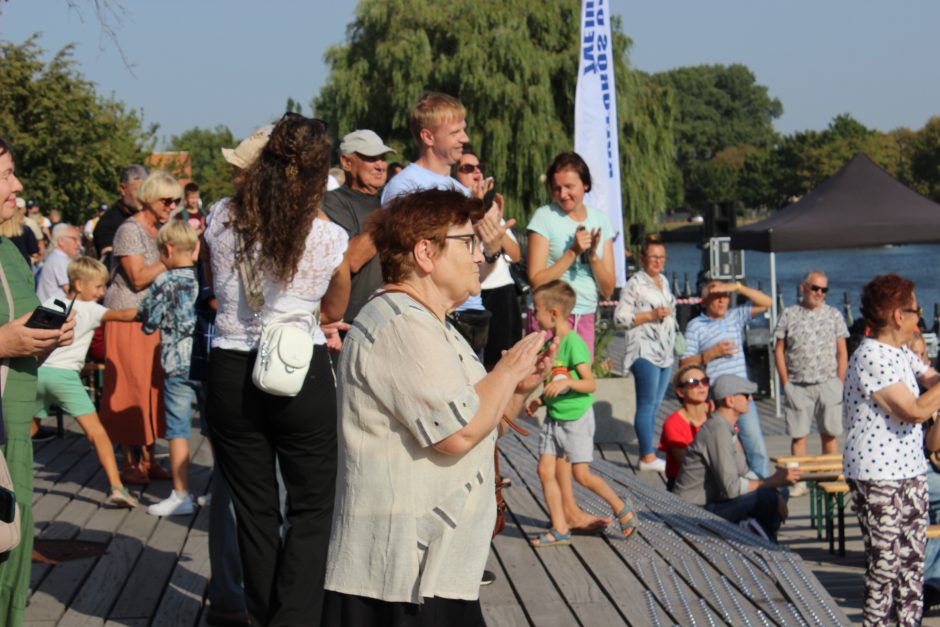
x=293, y=106
x=211, y=172
x=514, y=65
x=70, y=143
x=925, y=159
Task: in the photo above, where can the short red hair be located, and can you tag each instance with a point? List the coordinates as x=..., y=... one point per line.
x=882, y=296
x=408, y=219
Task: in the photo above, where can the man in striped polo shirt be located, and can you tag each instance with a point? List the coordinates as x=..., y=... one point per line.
x=715, y=340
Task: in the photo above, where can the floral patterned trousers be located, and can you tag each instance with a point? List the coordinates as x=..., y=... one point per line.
x=893, y=518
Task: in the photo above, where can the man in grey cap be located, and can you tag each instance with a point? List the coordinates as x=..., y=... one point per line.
x=362, y=156
x=715, y=475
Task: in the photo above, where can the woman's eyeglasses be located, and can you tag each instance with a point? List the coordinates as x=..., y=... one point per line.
x=691, y=383
x=470, y=239
x=919, y=311
x=468, y=168
x=169, y=202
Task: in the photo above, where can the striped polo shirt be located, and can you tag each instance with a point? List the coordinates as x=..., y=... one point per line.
x=703, y=332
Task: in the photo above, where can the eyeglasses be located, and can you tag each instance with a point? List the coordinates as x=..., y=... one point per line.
x=819, y=288
x=171, y=201
x=470, y=239
x=656, y=257
x=919, y=311
x=691, y=383
x=468, y=168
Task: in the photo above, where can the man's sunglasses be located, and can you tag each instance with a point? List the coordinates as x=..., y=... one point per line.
x=819, y=288
x=691, y=383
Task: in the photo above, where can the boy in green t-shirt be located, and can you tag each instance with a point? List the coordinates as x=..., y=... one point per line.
x=567, y=435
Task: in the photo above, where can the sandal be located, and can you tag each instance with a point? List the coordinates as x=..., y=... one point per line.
x=134, y=475
x=122, y=498
x=552, y=537
x=595, y=528
x=628, y=527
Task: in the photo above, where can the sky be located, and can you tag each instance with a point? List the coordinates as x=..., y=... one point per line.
x=235, y=62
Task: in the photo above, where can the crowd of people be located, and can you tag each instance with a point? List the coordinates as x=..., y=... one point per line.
x=355, y=474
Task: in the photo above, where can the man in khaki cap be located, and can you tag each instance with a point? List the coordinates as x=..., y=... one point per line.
x=362, y=156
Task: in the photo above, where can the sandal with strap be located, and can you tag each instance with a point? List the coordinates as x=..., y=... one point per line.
x=122, y=498
x=628, y=527
x=552, y=537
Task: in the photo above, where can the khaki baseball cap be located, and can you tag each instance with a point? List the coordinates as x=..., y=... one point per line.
x=245, y=153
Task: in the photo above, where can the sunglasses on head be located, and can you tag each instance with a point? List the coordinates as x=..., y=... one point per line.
x=691, y=383
x=819, y=288
x=468, y=168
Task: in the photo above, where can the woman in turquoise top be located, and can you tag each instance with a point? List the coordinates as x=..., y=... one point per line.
x=570, y=241
x=19, y=347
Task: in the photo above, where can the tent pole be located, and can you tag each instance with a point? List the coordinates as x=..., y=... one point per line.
x=774, y=378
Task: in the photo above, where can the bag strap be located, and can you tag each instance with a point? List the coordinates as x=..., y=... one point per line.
x=314, y=317
x=5, y=364
x=248, y=271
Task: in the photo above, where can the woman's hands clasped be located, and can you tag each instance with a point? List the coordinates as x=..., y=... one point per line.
x=526, y=363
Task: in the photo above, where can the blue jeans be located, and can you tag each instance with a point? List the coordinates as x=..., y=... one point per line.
x=752, y=439
x=651, y=383
x=179, y=393
x=762, y=505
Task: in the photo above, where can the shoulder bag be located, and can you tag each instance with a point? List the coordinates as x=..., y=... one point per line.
x=285, y=350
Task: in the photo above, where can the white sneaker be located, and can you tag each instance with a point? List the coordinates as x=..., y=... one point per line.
x=798, y=489
x=173, y=505
x=658, y=465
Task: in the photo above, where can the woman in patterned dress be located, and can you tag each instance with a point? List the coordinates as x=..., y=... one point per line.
x=883, y=458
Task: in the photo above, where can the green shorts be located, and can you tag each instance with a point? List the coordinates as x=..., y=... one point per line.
x=57, y=386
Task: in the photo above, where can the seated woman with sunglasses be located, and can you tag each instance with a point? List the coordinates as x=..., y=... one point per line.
x=132, y=398
x=679, y=429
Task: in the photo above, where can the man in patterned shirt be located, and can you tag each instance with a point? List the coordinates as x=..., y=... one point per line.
x=811, y=358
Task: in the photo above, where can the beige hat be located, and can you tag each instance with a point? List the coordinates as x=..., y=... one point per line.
x=365, y=142
x=248, y=150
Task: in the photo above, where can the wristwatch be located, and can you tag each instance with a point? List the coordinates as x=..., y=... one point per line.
x=492, y=258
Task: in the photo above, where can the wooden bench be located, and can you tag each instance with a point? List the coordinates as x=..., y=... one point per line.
x=801, y=459
x=835, y=490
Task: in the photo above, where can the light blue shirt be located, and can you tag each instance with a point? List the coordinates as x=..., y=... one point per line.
x=703, y=332
x=554, y=225
x=415, y=178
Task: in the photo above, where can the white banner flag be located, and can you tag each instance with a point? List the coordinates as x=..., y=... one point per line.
x=595, y=121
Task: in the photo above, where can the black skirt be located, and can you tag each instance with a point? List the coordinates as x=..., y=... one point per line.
x=346, y=610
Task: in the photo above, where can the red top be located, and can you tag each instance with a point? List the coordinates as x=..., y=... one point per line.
x=677, y=432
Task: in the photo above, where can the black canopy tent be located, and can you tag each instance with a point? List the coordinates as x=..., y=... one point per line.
x=860, y=205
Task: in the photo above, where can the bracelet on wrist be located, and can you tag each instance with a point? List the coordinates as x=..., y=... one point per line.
x=491, y=258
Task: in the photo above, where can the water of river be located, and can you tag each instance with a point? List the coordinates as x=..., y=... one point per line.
x=848, y=270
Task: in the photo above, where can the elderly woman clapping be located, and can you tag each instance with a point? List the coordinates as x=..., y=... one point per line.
x=418, y=422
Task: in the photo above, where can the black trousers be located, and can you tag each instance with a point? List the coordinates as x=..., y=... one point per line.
x=250, y=430
x=347, y=610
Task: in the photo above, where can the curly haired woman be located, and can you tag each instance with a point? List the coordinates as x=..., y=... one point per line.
x=275, y=222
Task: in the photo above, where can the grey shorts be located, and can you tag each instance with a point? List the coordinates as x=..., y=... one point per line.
x=820, y=400
x=571, y=439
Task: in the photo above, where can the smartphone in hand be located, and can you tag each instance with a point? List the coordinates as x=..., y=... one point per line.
x=48, y=317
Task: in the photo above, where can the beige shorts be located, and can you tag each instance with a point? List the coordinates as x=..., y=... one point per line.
x=803, y=402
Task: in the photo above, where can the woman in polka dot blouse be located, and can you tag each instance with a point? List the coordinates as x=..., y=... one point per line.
x=883, y=460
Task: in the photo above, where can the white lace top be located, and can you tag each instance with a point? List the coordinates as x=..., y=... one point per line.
x=236, y=327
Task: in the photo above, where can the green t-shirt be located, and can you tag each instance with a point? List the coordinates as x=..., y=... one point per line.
x=572, y=351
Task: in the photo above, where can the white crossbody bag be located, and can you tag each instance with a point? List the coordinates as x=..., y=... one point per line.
x=285, y=350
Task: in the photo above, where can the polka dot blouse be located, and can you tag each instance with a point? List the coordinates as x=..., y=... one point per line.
x=878, y=446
